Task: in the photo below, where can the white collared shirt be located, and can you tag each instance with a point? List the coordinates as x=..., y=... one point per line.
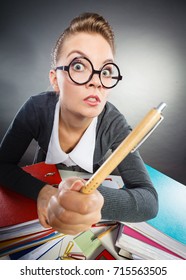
x=81, y=155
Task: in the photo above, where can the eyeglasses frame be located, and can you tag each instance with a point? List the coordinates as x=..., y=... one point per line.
x=66, y=68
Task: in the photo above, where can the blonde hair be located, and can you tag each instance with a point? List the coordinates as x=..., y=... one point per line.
x=86, y=22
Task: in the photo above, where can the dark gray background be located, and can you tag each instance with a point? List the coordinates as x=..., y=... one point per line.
x=150, y=39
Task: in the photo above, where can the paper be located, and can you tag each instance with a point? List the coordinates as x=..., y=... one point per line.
x=87, y=242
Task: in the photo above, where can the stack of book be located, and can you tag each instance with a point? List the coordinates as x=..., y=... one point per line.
x=163, y=237
x=21, y=234
x=19, y=225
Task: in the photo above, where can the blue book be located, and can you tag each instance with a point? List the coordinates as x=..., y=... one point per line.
x=168, y=228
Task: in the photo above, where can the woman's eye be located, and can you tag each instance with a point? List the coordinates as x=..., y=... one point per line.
x=78, y=66
x=106, y=72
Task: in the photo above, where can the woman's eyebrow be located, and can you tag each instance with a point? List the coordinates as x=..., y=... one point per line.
x=76, y=51
x=109, y=60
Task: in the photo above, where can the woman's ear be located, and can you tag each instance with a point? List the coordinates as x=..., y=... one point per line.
x=53, y=80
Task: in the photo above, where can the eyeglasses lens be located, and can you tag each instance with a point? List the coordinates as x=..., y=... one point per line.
x=109, y=75
x=81, y=71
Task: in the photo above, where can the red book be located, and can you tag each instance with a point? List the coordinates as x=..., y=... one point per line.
x=16, y=208
x=105, y=255
x=146, y=240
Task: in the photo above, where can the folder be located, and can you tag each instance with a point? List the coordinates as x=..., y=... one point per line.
x=168, y=228
x=16, y=208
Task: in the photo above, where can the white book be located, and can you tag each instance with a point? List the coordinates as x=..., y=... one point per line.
x=142, y=250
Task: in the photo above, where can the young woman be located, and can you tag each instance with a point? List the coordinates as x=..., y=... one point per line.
x=76, y=126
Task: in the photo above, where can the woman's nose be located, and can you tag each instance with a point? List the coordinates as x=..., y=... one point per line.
x=95, y=81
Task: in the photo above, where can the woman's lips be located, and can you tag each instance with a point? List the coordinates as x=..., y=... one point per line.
x=92, y=100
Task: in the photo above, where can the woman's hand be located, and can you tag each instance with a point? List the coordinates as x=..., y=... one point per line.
x=43, y=199
x=69, y=211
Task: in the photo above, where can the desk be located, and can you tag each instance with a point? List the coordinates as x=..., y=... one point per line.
x=55, y=249
x=169, y=191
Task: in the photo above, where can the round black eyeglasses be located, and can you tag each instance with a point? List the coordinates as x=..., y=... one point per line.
x=81, y=71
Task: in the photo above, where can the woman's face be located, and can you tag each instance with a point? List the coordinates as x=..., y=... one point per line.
x=89, y=99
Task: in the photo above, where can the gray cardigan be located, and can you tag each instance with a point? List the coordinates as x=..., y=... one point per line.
x=136, y=201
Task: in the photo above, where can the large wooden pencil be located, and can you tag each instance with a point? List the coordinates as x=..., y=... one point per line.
x=136, y=136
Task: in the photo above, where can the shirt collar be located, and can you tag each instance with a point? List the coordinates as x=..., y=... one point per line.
x=82, y=155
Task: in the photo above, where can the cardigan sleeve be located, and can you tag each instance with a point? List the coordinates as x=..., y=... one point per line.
x=138, y=200
x=23, y=129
